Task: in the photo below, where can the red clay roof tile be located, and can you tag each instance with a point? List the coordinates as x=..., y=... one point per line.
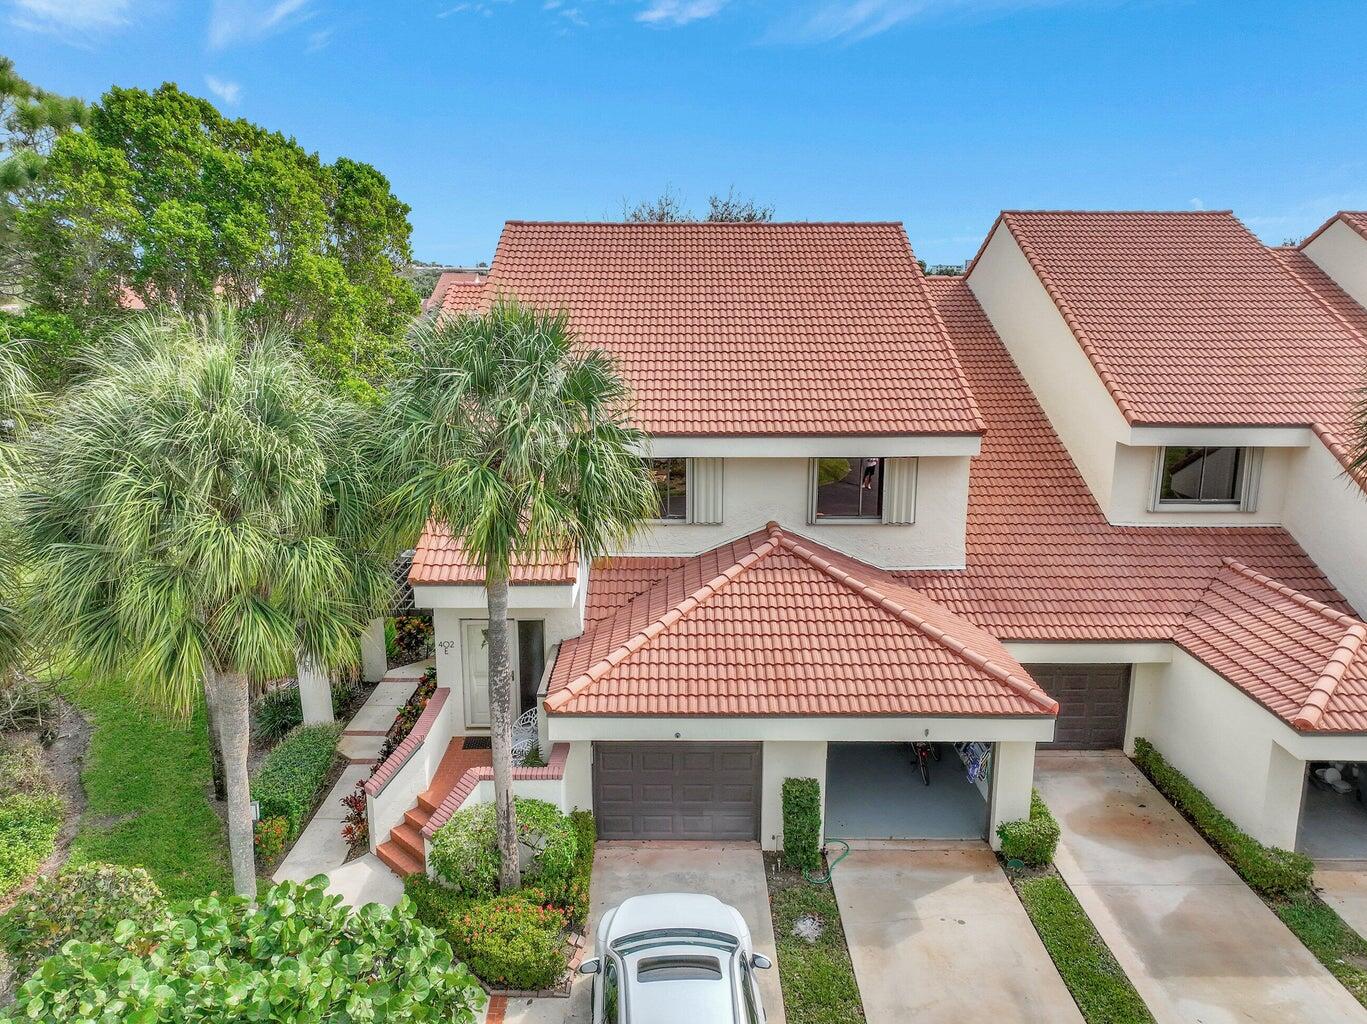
x=456, y=291
x=735, y=329
x=441, y=559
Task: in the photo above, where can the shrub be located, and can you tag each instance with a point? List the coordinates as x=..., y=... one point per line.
x=29, y=823
x=407, y=716
x=572, y=894
x=292, y=776
x=464, y=851
x=300, y=955
x=271, y=836
x=28, y=705
x=802, y=823
x=1267, y=869
x=413, y=637
x=22, y=769
x=512, y=941
x=84, y=903
x=434, y=904
x=1032, y=840
x=356, y=825
x=279, y=711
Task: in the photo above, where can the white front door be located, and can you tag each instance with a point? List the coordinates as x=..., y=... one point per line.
x=474, y=643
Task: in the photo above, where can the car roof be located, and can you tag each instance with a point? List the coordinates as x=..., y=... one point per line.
x=680, y=1001
x=673, y=911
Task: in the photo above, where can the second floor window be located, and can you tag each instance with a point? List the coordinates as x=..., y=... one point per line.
x=849, y=488
x=671, y=484
x=1208, y=476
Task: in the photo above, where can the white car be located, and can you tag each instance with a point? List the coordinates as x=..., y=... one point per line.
x=675, y=958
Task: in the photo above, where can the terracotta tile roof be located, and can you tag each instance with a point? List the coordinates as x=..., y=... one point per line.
x=1299, y=658
x=441, y=559
x=1189, y=319
x=775, y=624
x=456, y=291
x=732, y=329
x=1355, y=219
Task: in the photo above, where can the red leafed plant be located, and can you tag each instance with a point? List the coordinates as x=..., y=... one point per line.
x=355, y=826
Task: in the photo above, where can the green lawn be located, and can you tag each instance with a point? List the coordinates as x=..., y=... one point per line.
x=817, y=977
x=1099, y=986
x=1342, y=950
x=145, y=777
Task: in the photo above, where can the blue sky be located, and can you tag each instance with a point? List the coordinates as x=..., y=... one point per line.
x=937, y=113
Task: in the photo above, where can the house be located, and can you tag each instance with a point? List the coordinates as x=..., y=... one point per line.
x=1093, y=489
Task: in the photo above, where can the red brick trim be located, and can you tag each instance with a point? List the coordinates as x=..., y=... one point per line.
x=385, y=773
x=555, y=769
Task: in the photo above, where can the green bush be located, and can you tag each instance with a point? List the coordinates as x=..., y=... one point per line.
x=434, y=904
x=291, y=777
x=464, y=851
x=28, y=705
x=1267, y=869
x=802, y=823
x=300, y=955
x=280, y=710
x=84, y=903
x=270, y=835
x=513, y=941
x=1034, y=840
x=572, y=894
x=29, y=823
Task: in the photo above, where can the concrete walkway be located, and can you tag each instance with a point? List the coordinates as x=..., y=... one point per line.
x=320, y=850
x=938, y=936
x=1343, y=885
x=1197, y=943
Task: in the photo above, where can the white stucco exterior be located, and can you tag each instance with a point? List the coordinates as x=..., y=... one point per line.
x=1326, y=512
x=1342, y=254
x=756, y=491
x=787, y=760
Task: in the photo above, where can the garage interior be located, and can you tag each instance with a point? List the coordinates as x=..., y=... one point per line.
x=1333, y=823
x=875, y=791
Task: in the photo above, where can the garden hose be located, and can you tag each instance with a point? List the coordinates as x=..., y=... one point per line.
x=826, y=878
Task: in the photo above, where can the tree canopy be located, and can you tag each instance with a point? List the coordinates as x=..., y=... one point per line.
x=670, y=208
x=163, y=199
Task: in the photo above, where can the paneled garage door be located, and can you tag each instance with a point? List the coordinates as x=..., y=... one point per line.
x=676, y=790
x=1092, y=704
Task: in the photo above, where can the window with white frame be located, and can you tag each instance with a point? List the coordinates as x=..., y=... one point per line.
x=671, y=484
x=1205, y=476
x=848, y=488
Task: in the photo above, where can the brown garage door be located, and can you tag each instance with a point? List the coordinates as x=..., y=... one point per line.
x=1092, y=704
x=676, y=790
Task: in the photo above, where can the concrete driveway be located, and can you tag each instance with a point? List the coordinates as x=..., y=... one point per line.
x=938, y=935
x=734, y=873
x=1198, y=944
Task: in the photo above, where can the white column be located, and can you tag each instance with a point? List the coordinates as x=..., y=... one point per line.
x=1013, y=776
x=315, y=690
x=374, y=661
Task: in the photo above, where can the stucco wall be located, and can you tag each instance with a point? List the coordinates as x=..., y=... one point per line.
x=1132, y=488
x=782, y=760
x=1224, y=742
x=1049, y=358
x=1327, y=514
x=1013, y=777
x=1342, y=254
x=758, y=490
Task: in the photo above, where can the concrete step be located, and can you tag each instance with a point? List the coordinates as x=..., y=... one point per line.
x=417, y=817
x=410, y=839
x=399, y=860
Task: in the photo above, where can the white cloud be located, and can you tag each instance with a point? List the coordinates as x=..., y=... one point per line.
x=678, y=12
x=228, y=92
x=852, y=20
x=318, y=40
x=64, y=17
x=1197, y=203
x=238, y=21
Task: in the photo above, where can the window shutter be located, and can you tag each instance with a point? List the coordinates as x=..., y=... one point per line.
x=899, y=491
x=705, y=491
x=1253, y=478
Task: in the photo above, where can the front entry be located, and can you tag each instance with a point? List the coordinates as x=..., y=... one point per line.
x=677, y=790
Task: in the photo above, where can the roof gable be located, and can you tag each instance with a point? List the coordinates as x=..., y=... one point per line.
x=750, y=329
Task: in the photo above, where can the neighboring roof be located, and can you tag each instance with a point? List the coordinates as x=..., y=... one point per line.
x=1299, y=658
x=775, y=624
x=750, y=329
x=440, y=559
x=1190, y=320
x=456, y=291
x=1355, y=219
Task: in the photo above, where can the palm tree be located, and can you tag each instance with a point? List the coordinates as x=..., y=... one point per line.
x=516, y=439
x=16, y=405
x=182, y=505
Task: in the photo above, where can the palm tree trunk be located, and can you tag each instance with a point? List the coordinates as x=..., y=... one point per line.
x=215, y=751
x=501, y=732
x=227, y=694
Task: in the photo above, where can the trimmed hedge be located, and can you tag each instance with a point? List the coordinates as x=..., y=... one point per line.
x=802, y=823
x=464, y=851
x=514, y=941
x=84, y=903
x=29, y=824
x=1269, y=870
x=291, y=777
x=1031, y=840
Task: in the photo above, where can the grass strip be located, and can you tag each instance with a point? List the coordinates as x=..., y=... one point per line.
x=818, y=980
x=1097, y=982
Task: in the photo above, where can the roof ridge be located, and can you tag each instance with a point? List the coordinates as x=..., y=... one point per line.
x=1084, y=341
x=1350, y=219
x=667, y=620
x=1133, y=213
x=1305, y=600
x=1024, y=686
x=710, y=224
